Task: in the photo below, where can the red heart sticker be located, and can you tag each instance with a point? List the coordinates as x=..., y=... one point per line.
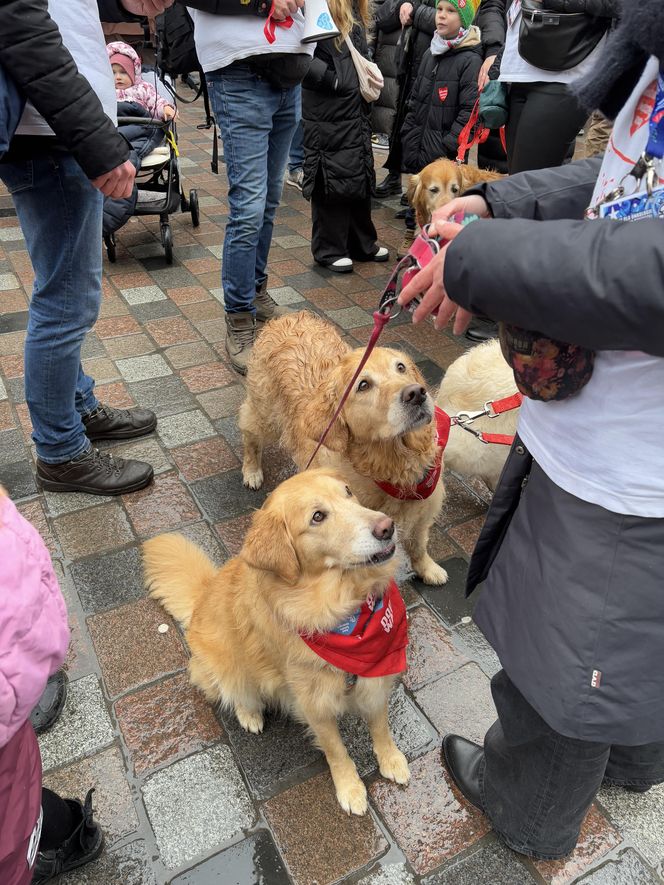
x=442, y=92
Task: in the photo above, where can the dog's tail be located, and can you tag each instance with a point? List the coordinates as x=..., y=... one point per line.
x=176, y=571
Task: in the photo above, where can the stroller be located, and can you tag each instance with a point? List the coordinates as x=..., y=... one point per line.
x=158, y=180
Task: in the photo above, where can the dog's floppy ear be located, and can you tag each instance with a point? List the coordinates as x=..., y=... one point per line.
x=269, y=546
x=414, y=194
x=318, y=414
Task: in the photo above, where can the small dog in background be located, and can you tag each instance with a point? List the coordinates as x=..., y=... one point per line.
x=441, y=182
x=478, y=376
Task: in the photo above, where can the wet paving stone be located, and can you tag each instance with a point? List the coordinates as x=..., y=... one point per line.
x=12, y=447
x=224, y=496
x=18, y=480
x=232, y=533
x=110, y=580
x=460, y=702
x=492, y=862
x=94, y=530
x=639, y=817
x=112, y=802
x=596, y=839
x=309, y=815
x=449, y=601
x=129, y=865
x=185, y=427
x=83, y=727
x=209, y=786
x=429, y=818
x=130, y=648
x=431, y=651
x=388, y=874
x=186, y=722
x=203, y=536
x=80, y=660
x=466, y=534
x=627, y=869
x=460, y=505
x=165, y=396
x=478, y=648
x=203, y=459
x=164, y=504
x=254, y=860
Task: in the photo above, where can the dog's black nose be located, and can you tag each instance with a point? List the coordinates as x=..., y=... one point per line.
x=413, y=395
x=383, y=529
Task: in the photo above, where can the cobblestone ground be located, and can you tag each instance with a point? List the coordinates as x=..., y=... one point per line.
x=183, y=794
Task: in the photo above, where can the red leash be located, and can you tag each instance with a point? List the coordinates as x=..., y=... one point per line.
x=490, y=410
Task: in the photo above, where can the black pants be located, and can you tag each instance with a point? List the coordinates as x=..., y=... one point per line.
x=544, y=120
x=537, y=785
x=342, y=229
x=57, y=823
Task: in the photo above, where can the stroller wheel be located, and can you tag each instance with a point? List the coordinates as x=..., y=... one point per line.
x=193, y=207
x=167, y=242
x=109, y=241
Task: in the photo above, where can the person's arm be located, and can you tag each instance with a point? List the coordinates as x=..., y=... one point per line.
x=597, y=283
x=490, y=19
x=424, y=18
x=320, y=77
x=467, y=97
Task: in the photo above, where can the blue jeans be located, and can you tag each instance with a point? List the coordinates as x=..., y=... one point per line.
x=257, y=121
x=60, y=214
x=296, y=155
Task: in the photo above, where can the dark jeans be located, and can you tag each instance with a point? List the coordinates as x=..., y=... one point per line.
x=537, y=785
x=544, y=120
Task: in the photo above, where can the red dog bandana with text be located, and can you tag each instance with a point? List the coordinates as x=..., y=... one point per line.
x=371, y=642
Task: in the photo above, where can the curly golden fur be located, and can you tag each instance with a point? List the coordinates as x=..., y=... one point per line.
x=439, y=183
x=297, y=373
x=243, y=621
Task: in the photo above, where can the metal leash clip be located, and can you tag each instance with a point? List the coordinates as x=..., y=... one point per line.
x=424, y=248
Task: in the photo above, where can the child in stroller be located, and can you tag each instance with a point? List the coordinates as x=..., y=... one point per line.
x=146, y=115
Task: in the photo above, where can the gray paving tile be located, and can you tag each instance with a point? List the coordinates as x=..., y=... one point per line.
x=639, y=817
x=224, y=496
x=491, y=862
x=202, y=535
x=18, y=479
x=290, y=242
x=3, y=390
x=147, y=250
x=174, y=278
x=209, y=786
x=350, y=317
x=146, y=449
x=390, y=874
x=627, y=869
x=11, y=234
x=8, y=281
x=185, y=427
x=141, y=368
x=12, y=447
x=222, y=402
x=165, y=396
x=155, y=310
x=109, y=580
x=460, y=702
x=16, y=389
x=254, y=861
x=129, y=865
x=450, y=600
x=92, y=346
x=432, y=372
x=59, y=503
x=477, y=647
x=83, y=727
x=286, y=295
x=228, y=428
x=143, y=295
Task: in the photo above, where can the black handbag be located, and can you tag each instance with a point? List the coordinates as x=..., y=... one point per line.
x=557, y=41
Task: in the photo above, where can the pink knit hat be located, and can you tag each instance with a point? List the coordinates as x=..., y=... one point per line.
x=118, y=58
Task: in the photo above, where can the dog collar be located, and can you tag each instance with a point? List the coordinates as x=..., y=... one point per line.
x=371, y=642
x=429, y=481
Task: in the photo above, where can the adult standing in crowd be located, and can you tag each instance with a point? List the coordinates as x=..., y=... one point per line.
x=66, y=154
x=253, y=80
x=338, y=158
x=572, y=551
x=385, y=38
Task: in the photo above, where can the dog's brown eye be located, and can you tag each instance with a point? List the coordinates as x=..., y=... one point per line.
x=401, y=368
x=348, y=492
x=318, y=516
x=434, y=190
x=363, y=385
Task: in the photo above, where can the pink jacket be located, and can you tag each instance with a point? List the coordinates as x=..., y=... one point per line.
x=34, y=633
x=141, y=92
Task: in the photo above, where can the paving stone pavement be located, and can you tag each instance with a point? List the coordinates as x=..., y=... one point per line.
x=184, y=795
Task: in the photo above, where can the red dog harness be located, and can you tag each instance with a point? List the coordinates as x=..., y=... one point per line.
x=371, y=642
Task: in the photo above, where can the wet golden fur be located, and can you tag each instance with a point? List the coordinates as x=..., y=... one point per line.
x=296, y=376
x=439, y=183
x=243, y=620
x=476, y=377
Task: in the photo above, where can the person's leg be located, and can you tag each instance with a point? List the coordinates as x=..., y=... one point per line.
x=296, y=153
x=636, y=768
x=536, y=785
x=362, y=236
x=409, y=234
x=70, y=836
x=330, y=222
x=516, y=99
x=546, y=127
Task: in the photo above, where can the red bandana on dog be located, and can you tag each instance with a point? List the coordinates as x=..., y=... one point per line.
x=371, y=642
x=428, y=483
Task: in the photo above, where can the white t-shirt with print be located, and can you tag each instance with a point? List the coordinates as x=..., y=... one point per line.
x=605, y=444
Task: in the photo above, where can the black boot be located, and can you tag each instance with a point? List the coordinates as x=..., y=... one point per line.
x=50, y=704
x=462, y=759
x=390, y=185
x=83, y=845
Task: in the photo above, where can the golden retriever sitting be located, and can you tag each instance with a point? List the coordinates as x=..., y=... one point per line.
x=312, y=556
x=439, y=183
x=298, y=371
x=475, y=378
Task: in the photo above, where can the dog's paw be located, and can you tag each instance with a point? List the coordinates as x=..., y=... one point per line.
x=394, y=766
x=252, y=722
x=353, y=797
x=432, y=573
x=252, y=479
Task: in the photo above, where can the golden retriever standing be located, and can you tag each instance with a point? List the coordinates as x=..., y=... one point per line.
x=439, y=183
x=476, y=377
x=298, y=371
x=311, y=557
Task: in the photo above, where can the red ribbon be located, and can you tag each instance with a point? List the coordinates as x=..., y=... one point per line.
x=271, y=25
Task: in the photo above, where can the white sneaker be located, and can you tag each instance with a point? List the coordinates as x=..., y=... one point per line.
x=341, y=265
x=382, y=255
x=295, y=178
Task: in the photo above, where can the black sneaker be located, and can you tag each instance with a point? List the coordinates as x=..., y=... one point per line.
x=481, y=329
x=109, y=423
x=85, y=844
x=49, y=706
x=95, y=472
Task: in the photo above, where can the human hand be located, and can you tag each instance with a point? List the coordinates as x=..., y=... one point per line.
x=283, y=8
x=483, y=77
x=169, y=112
x=406, y=14
x=117, y=183
x=149, y=8
x=429, y=283
x=473, y=205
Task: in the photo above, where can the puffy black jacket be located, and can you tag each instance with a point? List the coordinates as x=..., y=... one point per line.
x=337, y=123
x=441, y=102
x=31, y=49
x=388, y=32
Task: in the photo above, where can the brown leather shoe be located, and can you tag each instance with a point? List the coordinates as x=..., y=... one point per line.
x=266, y=307
x=109, y=423
x=240, y=337
x=95, y=472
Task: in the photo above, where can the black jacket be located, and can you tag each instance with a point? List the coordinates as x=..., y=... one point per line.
x=388, y=32
x=441, y=102
x=337, y=124
x=31, y=49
